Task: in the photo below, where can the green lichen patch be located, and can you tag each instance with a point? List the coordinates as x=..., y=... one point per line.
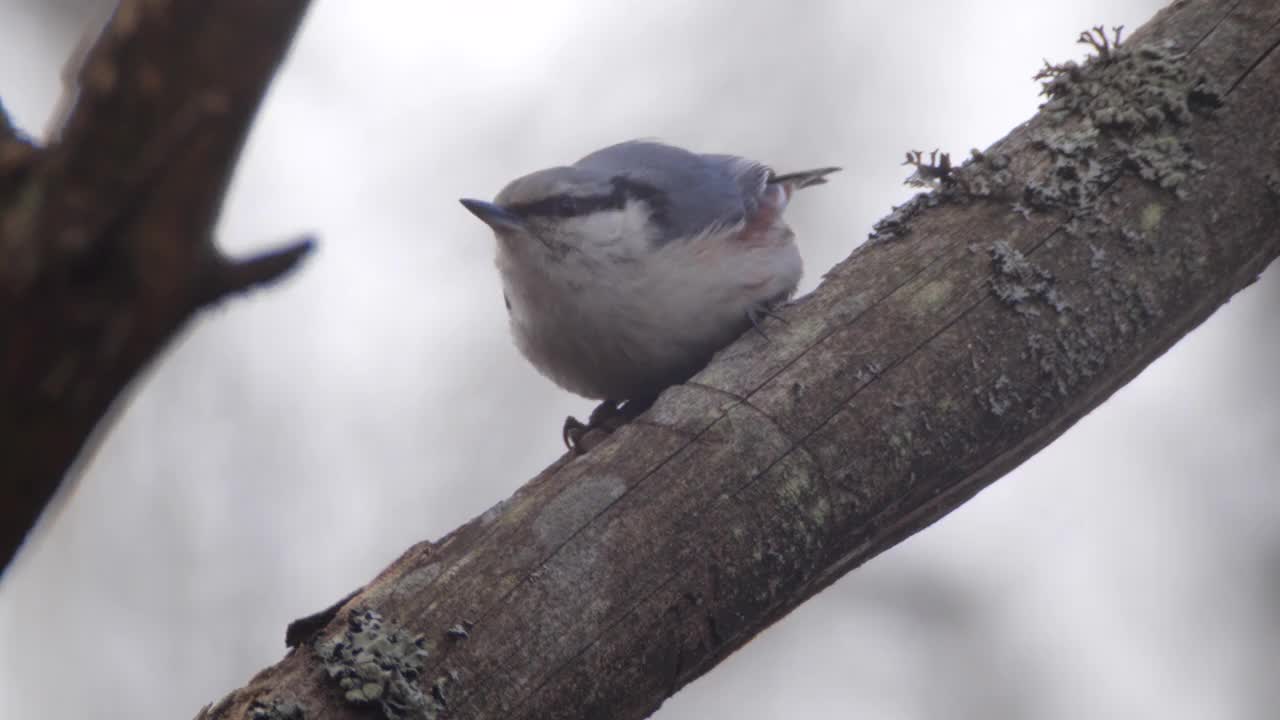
x=1000, y=398
x=378, y=664
x=935, y=171
x=1067, y=357
x=1165, y=160
x=277, y=709
x=1125, y=110
x=1126, y=89
x=897, y=223
x=1076, y=175
x=1152, y=216
x=1020, y=284
x=1121, y=111
x=983, y=175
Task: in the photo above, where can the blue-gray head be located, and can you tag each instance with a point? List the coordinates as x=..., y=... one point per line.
x=566, y=209
x=635, y=191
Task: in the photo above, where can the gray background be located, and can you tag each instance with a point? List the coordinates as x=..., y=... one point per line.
x=288, y=446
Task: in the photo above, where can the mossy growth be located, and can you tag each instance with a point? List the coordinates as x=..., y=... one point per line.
x=1123, y=110
x=378, y=664
x=984, y=175
x=1021, y=284
x=276, y=709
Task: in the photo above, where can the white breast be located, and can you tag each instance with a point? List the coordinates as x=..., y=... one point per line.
x=622, y=319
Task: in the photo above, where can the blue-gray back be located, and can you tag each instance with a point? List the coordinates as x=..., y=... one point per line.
x=692, y=191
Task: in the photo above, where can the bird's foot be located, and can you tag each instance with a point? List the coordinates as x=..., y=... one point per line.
x=607, y=417
x=765, y=309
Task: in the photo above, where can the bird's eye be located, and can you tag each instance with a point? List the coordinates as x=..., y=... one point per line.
x=566, y=205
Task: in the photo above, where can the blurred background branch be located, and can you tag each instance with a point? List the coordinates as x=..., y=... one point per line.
x=986, y=319
x=106, y=234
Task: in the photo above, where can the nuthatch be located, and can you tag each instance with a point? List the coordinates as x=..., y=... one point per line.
x=626, y=271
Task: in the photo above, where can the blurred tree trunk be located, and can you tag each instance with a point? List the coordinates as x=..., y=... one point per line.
x=106, y=242
x=983, y=321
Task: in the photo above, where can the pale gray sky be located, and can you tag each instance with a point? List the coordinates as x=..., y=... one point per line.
x=292, y=443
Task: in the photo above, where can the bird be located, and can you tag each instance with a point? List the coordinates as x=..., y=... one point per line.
x=626, y=271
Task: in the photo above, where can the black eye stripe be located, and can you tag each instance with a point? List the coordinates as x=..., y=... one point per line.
x=568, y=205
x=640, y=191
x=563, y=206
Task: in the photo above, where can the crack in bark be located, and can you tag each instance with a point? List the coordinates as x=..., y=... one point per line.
x=1254, y=65
x=1216, y=25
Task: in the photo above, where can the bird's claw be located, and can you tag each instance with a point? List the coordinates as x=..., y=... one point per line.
x=755, y=312
x=572, y=433
x=607, y=417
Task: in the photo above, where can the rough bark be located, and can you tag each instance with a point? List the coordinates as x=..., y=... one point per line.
x=106, y=242
x=980, y=324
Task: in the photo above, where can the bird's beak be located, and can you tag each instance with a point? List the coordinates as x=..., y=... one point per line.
x=495, y=216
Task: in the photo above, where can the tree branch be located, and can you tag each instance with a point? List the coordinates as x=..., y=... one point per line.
x=106, y=235
x=985, y=319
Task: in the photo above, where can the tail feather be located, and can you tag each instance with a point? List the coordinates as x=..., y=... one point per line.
x=804, y=178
